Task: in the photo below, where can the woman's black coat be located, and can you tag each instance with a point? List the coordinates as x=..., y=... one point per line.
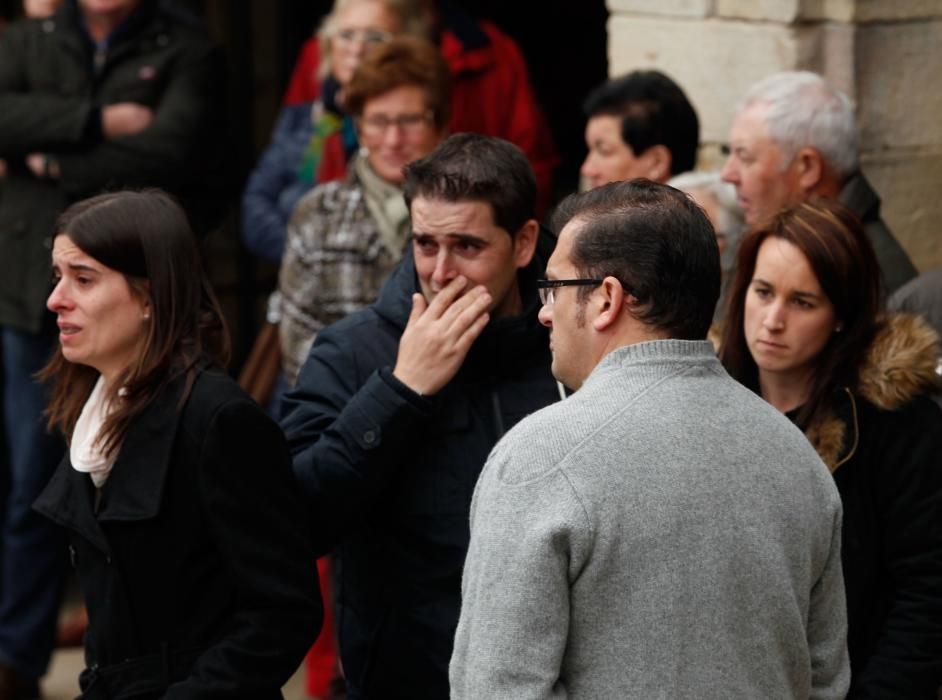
x=193, y=557
x=883, y=443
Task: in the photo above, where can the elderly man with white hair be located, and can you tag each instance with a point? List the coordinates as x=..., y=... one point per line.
x=795, y=137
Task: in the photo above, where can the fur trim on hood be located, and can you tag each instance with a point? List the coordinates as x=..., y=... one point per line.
x=901, y=362
x=900, y=365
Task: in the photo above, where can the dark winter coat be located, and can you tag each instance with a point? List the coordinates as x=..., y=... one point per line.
x=389, y=476
x=895, y=266
x=274, y=187
x=194, y=562
x=884, y=445
x=51, y=97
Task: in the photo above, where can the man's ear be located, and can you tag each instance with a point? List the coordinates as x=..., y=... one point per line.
x=609, y=304
x=810, y=168
x=525, y=242
x=657, y=163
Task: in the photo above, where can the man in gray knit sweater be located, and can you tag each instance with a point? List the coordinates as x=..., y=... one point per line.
x=662, y=533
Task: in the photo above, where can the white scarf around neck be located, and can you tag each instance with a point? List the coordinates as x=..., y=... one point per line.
x=85, y=451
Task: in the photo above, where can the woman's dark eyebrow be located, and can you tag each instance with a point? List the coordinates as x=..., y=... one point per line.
x=805, y=295
x=81, y=267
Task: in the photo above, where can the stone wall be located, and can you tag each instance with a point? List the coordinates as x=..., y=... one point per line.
x=885, y=54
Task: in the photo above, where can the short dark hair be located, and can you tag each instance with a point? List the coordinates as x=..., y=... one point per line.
x=841, y=256
x=472, y=167
x=146, y=237
x=654, y=240
x=404, y=60
x=654, y=111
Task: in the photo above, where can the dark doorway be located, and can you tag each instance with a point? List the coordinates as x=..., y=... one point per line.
x=565, y=44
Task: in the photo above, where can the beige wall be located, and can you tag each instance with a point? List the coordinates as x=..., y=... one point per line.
x=885, y=54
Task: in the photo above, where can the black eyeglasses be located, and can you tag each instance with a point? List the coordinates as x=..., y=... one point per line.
x=546, y=287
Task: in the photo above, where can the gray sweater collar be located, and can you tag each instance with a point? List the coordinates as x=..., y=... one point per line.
x=654, y=358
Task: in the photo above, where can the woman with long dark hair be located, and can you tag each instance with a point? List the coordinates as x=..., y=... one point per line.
x=176, y=491
x=805, y=329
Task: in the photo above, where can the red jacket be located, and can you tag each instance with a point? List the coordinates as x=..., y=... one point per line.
x=491, y=94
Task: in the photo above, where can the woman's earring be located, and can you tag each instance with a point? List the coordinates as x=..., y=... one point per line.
x=839, y=327
x=364, y=152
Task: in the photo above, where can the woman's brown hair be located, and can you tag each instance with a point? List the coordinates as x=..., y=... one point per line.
x=146, y=237
x=404, y=60
x=841, y=256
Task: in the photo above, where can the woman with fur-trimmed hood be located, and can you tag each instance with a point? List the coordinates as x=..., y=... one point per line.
x=805, y=330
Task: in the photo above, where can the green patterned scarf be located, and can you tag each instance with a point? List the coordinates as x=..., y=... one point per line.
x=325, y=123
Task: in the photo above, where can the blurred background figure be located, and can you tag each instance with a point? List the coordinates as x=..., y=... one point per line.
x=805, y=330
x=35, y=9
x=640, y=125
x=346, y=237
x=311, y=144
x=100, y=94
x=491, y=94
x=294, y=161
x=923, y=296
x=718, y=200
x=186, y=529
x=795, y=137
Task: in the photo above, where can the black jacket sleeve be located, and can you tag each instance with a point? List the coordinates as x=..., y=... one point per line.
x=172, y=149
x=252, y=507
x=348, y=435
x=34, y=121
x=907, y=659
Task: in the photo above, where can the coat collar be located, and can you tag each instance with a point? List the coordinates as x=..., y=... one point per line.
x=859, y=196
x=68, y=500
x=834, y=435
x=899, y=366
x=69, y=26
x=464, y=44
x=134, y=490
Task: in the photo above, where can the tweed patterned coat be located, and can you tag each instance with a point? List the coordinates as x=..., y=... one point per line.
x=334, y=264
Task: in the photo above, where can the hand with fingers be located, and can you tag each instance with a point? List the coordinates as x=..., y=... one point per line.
x=438, y=335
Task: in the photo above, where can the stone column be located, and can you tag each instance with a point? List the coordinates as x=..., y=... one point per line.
x=885, y=54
